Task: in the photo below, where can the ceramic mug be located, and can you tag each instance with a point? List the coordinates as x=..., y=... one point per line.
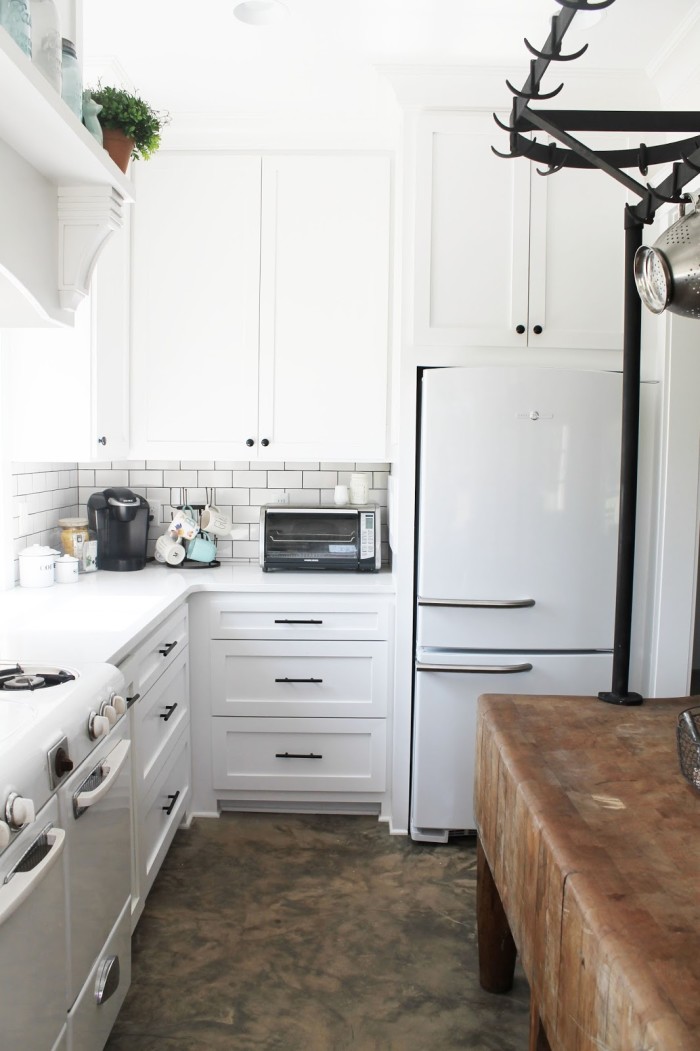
x=340, y=495
x=202, y=549
x=169, y=550
x=359, y=488
x=183, y=524
x=216, y=521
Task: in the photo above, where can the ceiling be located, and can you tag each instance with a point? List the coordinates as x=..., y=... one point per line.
x=321, y=60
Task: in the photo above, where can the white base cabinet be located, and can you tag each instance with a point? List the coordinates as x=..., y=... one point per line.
x=298, y=708
x=157, y=677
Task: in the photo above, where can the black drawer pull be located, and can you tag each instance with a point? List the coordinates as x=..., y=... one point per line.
x=297, y=755
x=286, y=620
x=171, y=805
x=168, y=647
x=298, y=680
x=132, y=700
x=169, y=709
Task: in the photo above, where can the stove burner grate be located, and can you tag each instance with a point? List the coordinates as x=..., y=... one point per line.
x=18, y=678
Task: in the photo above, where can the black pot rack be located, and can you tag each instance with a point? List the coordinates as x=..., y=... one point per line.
x=569, y=152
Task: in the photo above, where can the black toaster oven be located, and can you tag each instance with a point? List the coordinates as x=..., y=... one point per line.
x=320, y=537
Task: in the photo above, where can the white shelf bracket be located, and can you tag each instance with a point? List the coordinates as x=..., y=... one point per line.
x=87, y=216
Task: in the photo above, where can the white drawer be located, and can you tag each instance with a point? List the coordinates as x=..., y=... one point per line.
x=90, y=1022
x=150, y=659
x=300, y=755
x=283, y=617
x=158, y=719
x=299, y=678
x=162, y=811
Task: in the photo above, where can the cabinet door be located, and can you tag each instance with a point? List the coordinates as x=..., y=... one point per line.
x=471, y=235
x=71, y=384
x=324, y=305
x=196, y=298
x=577, y=256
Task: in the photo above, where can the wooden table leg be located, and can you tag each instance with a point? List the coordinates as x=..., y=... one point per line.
x=538, y=1037
x=496, y=946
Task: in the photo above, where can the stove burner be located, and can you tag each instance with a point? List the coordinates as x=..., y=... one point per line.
x=18, y=678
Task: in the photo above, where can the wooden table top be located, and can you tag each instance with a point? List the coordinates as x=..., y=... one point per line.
x=593, y=839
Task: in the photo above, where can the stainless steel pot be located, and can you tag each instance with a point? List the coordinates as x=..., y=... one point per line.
x=668, y=274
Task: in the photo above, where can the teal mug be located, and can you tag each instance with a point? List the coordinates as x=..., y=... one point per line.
x=201, y=548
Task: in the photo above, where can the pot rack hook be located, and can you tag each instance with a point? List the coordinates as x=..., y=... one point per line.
x=533, y=95
x=584, y=5
x=525, y=152
x=555, y=54
x=505, y=127
x=675, y=197
x=691, y=164
x=642, y=162
x=552, y=166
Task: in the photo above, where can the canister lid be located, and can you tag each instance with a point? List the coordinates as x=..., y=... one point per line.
x=67, y=559
x=73, y=523
x=37, y=551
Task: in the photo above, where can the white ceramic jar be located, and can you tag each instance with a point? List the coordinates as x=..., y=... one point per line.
x=36, y=566
x=66, y=569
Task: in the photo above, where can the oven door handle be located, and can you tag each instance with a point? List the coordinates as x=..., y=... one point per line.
x=111, y=767
x=18, y=889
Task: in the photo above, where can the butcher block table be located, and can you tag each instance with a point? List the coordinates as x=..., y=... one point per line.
x=589, y=864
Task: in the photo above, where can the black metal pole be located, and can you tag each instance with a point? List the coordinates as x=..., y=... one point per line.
x=631, y=378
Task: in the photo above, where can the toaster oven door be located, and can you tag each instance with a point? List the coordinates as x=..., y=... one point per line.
x=306, y=538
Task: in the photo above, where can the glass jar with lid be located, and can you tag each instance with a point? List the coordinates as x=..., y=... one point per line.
x=16, y=19
x=80, y=541
x=46, y=40
x=71, y=79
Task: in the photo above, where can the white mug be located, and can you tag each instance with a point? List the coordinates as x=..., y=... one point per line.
x=183, y=525
x=216, y=521
x=169, y=550
x=359, y=488
x=340, y=494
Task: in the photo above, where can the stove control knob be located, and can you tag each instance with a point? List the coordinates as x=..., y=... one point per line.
x=119, y=704
x=4, y=834
x=98, y=725
x=62, y=764
x=109, y=712
x=19, y=811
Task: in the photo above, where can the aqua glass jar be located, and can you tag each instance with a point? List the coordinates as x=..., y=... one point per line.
x=71, y=79
x=46, y=40
x=15, y=17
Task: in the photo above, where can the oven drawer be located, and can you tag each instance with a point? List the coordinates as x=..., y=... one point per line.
x=299, y=755
x=299, y=679
x=158, y=719
x=318, y=617
x=90, y=1022
x=162, y=811
x=156, y=653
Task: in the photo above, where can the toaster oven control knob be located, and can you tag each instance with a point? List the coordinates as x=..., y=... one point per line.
x=109, y=712
x=19, y=811
x=4, y=834
x=98, y=725
x=119, y=704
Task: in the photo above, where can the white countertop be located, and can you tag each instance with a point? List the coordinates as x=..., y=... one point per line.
x=104, y=614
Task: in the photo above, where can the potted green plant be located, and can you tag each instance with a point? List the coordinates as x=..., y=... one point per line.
x=130, y=126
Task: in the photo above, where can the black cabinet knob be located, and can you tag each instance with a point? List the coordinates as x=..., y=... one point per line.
x=102, y=440
x=537, y=329
x=520, y=329
x=265, y=442
x=249, y=442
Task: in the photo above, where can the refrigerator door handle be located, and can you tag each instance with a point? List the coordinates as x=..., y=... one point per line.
x=478, y=603
x=476, y=669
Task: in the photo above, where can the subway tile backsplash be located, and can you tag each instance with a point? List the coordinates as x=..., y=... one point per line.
x=43, y=493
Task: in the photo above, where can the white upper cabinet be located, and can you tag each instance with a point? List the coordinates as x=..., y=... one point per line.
x=506, y=257
x=261, y=299
x=196, y=273
x=69, y=386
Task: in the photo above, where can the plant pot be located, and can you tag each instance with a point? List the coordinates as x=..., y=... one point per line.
x=118, y=146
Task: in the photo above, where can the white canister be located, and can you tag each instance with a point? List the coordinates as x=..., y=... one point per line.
x=36, y=566
x=359, y=488
x=66, y=569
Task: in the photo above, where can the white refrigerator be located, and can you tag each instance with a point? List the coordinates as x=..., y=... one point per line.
x=518, y=499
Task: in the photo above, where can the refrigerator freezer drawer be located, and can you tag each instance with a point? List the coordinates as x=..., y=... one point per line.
x=555, y=623
x=445, y=713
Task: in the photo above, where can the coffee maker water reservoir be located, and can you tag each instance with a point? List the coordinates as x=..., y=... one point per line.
x=120, y=519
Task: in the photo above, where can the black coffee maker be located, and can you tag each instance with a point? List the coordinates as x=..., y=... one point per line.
x=120, y=520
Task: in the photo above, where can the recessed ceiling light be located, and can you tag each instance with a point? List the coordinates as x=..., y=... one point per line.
x=260, y=12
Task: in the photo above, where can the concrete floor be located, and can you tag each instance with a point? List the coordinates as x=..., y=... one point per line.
x=312, y=933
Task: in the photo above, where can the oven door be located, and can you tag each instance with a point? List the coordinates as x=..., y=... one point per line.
x=310, y=538
x=32, y=936
x=95, y=806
